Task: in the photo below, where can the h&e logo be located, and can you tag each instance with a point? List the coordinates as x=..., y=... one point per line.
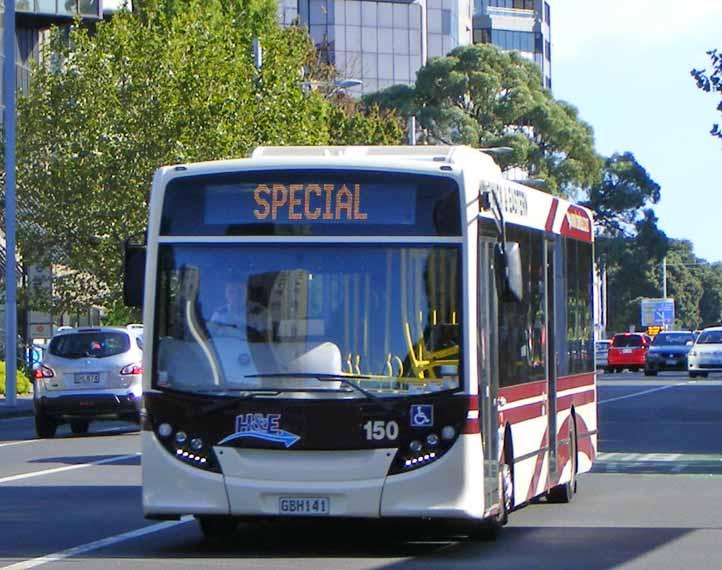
x=261, y=423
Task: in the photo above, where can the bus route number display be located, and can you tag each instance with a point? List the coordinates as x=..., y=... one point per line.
x=311, y=203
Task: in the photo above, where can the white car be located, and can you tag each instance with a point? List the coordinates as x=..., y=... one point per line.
x=601, y=350
x=706, y=354
x=88, y=374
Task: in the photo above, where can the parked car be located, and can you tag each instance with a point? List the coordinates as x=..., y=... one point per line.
x=627, y=351
x=601, y=349
x=668, y=351
x=88, y=374
x=705, y=356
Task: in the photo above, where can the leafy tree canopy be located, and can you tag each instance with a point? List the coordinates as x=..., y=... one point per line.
x=711, y=81
x=172, y=82
x=481, y=96
x=619, y=198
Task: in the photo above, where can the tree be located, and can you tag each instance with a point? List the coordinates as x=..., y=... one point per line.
x=619, y=198
x=173, y=82
x=629, y=243
x=710, y=82
x=481, y=96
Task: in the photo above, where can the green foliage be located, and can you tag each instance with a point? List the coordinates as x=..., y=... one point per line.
x=481, y=96
x=22, y=383
x=352, y=123
x=619, y=197
x=711, y=82
x=630, y=245
x=695, y=285
x=172, y=82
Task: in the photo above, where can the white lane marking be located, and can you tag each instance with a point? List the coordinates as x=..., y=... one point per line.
x=102, y=543
x=67, y=468
x=642, y=393
x=10, y=443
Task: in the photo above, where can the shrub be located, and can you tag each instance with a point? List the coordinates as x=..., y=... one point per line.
x=22, y=382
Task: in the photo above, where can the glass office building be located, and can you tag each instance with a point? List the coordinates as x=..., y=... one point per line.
x=381, y=43
x=520, y=25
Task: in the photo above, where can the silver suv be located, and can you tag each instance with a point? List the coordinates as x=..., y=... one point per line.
x=88, y=374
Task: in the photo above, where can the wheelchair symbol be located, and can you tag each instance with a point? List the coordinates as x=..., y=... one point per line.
x=422, y=415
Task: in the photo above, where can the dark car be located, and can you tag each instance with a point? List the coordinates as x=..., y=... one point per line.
x=668, y=352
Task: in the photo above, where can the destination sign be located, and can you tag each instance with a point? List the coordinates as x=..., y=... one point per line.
x=311, y=203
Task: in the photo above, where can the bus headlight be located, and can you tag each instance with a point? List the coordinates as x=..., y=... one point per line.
x=187, y=447
x=425, y=448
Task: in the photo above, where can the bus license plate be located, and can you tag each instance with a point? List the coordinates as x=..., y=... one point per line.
x=306, y=506
x=93, y=378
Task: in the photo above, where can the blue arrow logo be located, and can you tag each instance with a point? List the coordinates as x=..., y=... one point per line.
x=261, y=426
x=282, y=436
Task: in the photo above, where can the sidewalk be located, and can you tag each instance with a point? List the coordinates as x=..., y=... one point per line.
x=23, y=407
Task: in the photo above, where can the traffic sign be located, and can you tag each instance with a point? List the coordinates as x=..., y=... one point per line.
x=657, y=312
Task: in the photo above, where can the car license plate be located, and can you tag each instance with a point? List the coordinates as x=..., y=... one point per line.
x=306, y=506
x=87, y=378
x=671, y=361
x=626, y=351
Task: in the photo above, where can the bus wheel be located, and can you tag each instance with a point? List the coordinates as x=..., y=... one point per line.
x=217, y=528
x=564, y=493
x=490, y=528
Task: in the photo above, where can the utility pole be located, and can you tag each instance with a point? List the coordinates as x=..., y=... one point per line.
x=11, y=310
x=664, y=277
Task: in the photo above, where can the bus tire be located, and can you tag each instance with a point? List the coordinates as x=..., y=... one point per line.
x=564, y=493
x=217, y=528
x=490, y=528
x=45, y=426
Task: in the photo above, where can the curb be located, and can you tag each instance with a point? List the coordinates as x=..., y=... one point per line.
x=23, y=408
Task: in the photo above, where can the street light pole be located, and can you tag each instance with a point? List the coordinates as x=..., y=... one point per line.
x=664, y=277
x=11, y=322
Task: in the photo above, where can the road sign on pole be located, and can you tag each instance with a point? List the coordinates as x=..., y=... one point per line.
x=657, y=312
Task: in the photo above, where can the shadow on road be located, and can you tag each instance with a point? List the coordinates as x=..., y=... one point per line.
x=83, y=459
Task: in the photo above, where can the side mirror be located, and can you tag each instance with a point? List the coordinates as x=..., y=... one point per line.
x=133, y=274
x=507, y=258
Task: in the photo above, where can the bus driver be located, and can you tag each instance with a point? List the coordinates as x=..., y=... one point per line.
x=241, y=313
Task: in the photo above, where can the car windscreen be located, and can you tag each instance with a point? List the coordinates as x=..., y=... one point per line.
x=89, y=344
x=626, y=341
x=710, y=337
x=670, y=339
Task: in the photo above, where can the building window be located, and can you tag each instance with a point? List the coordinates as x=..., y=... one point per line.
x=547, y=13
x=513, y=40
x=446, y=22
x=547, y=50
x=516, y=4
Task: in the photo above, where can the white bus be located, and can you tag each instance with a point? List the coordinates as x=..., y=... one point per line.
x=376, y=332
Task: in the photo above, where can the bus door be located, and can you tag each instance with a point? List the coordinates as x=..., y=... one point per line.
x=551, y=356
x=488, y=368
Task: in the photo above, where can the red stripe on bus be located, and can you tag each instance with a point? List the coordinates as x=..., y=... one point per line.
x=523, y=413
x=576, y=381
x=566, y=402
x=473, y=404
x=549, y=225
x=471, y=426
x=524, y=391
x=534, y=483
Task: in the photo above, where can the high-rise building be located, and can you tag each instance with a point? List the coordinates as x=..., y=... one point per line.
x=520, y=25
x=381, y=43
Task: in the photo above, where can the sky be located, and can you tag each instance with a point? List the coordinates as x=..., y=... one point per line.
x=626, y=67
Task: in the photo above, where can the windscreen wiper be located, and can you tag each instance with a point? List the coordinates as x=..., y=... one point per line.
x=324, y=377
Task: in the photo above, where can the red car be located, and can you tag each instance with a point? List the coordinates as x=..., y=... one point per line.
x=627, y=351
